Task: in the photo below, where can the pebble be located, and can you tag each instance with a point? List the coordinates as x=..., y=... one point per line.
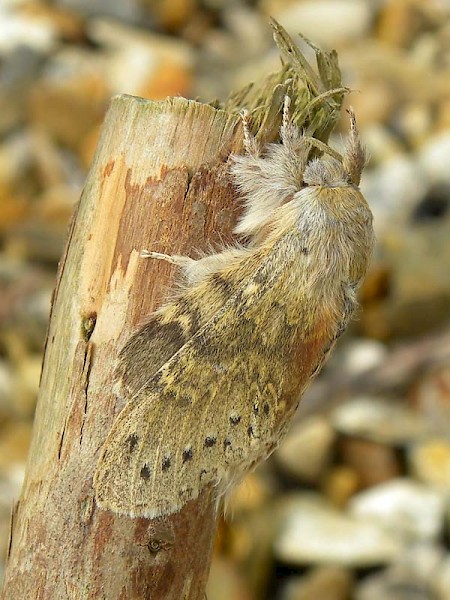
x=378, y=420
x=429, y=461
x=372, y=462
x=20, y=69
x=361, y=354
x=403, y=507
x=314, y=532
x=70, y=97
x=399, y=23
x=385, y=587
x=326, y=22
x=414, y=576
x=415, y=123
x=306, y=451
x=28, y=376
x=250, y=495
x=419, y=284
x=433, y=157
x=382, y=145
x=143, y=63
x=19, y=29
x=339, y=484
x=430, y=396
x=226, y=582
x=126, y=10
x=324, y=583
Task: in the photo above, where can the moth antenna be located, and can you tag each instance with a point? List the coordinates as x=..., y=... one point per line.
x=355, y=157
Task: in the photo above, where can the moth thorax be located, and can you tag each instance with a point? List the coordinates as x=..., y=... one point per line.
x=325, y=173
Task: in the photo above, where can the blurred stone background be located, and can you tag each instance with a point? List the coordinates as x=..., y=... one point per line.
x=355, y=504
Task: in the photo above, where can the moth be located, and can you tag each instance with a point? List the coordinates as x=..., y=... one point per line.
x=214, y=377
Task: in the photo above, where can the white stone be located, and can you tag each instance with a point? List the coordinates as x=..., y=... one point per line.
x=134, y=56
x=314, y=532
x=359, y=355
x=378, y=420
x=326, y=21
x=415, y=575
x=402, y=506
x=23, y=30
x=305, y=451
x=433, y=158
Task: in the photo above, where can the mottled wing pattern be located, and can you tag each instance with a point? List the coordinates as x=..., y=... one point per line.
x=215, y=407
x=168, y=330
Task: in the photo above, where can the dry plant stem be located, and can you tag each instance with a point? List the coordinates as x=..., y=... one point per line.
x=158, y=181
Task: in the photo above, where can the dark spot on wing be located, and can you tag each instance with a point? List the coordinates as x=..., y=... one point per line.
x=226, y=443
x=132, y=441
x=210, y=441
x=157, y=377
x=195, y=320
x=185, y=492
x=145, y=472
x=260, y=277
x=183, y=399
x=187, y=454
x=221, y=283
x=166, y=463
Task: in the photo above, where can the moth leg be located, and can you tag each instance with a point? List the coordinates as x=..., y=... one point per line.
x=196, y=271
x=200, y=269
x=180, y=261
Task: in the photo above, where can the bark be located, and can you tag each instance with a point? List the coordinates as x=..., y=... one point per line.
x=158, y=181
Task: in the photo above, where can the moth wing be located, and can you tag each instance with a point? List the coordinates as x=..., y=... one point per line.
x=169, y=329
x=210, y=411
